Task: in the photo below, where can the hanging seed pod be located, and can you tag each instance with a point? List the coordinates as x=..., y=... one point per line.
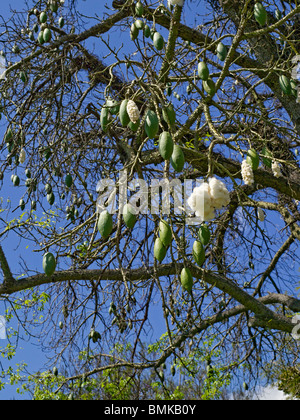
x=221, y=51
x=204, y=234
x=139, y=24
x=165, y=233
x=123, y=115
x=51, y=198
x=61, y=22
x=285, y=84
x=47, y=35
x=134, y=32
x=139, y=9
x=151, y=124
x=260, y=14
x=253, y=159
x=186, y=279
x=105, y=224
x=49, y=263
x=177, y=159
x=128, y=216
x=43, y=17
x=22, y=156
x=22, y=204
x=132, y=111
x=209, y=86
x=68, y=180
x=158, y=41
x=166, y=145
x=159, y=250
x=53, y=6
x=104, y=118
x=16, y=180
x=198, y=252
x=147, y=31
x=168, y=114
x=203, y=71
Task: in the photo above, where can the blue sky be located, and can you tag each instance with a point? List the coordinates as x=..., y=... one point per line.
x=27, y=351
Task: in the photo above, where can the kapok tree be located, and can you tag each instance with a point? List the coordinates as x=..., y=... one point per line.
x=98, y=111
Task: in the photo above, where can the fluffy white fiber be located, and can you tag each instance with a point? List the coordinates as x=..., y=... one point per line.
x=22, y=156
x=208, y=197
x=201, y=203
x=132, y=111
x=174, y=2
x=276, y=169
x=247, y=173
x=2, y=68
x=219, y=193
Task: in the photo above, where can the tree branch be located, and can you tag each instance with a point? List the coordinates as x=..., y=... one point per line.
x=199, y=161
x=8, y=277
x=257, y=306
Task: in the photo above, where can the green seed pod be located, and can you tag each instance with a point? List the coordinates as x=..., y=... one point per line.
x=168, y=114
x=173, y=370
x=22, y=204
x=198, y=252
x=253, y=159
x=128, y=216
x=50, y=198
x=267, y=159
x=123, y=114
x=47, y=35
x=134, y=32
x=177, y=159
x=186, y=279
x=209, y=86
x=23, y=76
x=285, y=84
x=105, y=224
x=48, y=188
x=151, y=124
x=146, y=31
x=139, y=9
x=165, y=145
x=204, y=234
x=41, y=38
x=16, y=180
x=203, y=71
x=260, y=14
x=104, y=118
x=221, y=51
x=43, y=17
x=68, y=180
x=49, y=263
x=61, y=22
x=158, y=41
x=159, y=250
x=139, y=24
x=165, y=233
x=134, y=126
x=54, y=6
